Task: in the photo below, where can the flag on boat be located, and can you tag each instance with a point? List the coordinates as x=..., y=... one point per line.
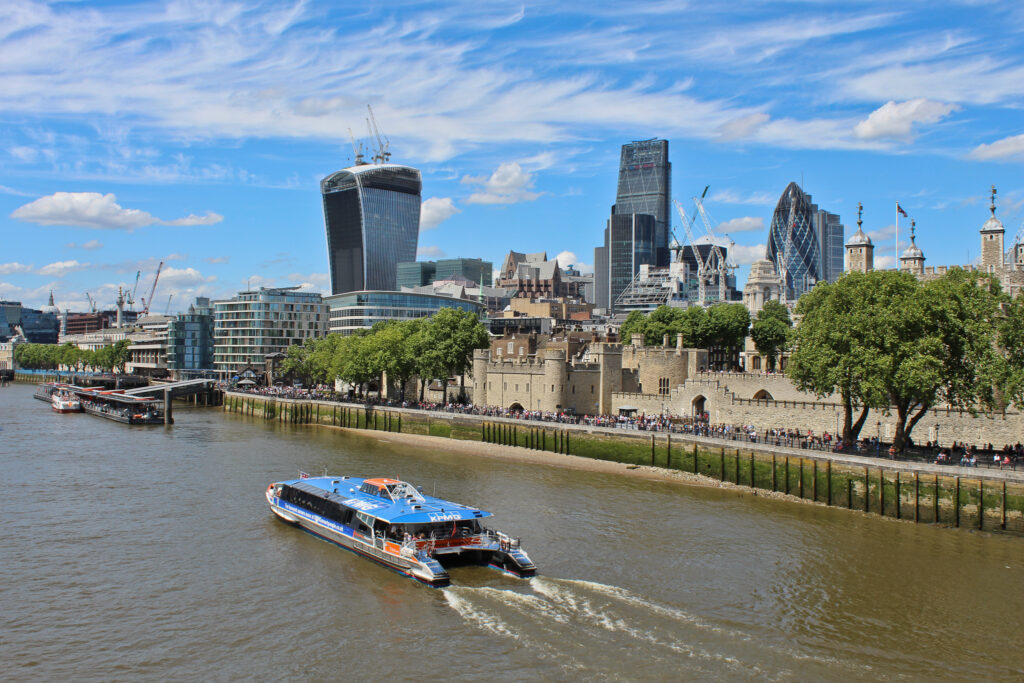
x=900, y=209
x=303, y=475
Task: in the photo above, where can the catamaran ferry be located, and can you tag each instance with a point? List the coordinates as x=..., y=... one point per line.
x=392, y=522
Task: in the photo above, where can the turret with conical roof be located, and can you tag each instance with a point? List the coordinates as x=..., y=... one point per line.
x=860, y=252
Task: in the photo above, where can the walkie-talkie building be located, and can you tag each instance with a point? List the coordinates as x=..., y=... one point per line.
x=372, y=213
x=645, y=186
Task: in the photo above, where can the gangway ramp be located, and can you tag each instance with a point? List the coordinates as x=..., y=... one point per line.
x=183, y=388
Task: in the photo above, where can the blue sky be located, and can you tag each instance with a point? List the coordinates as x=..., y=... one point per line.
x=196, y=132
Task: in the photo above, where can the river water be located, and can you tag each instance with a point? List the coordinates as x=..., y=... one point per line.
x=149, y=553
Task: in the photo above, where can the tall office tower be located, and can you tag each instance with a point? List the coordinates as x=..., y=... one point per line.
x=372, y=213
x=804, y=243
x=629, y=243
x=645, y=186
x=830, y=238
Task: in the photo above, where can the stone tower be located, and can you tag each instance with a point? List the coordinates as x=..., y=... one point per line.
x=912, y=259
x=480, y=359
x=860, y=252
x=992, y=240
x=763, y=284
x=556, y=379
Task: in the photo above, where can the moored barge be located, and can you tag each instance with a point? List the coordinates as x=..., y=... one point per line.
x=394, y=523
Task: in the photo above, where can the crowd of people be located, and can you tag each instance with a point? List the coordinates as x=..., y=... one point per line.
x=698, y=425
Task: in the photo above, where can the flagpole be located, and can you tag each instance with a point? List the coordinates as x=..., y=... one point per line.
x=897, y=249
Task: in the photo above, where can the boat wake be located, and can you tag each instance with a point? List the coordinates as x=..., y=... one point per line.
x=610, y=632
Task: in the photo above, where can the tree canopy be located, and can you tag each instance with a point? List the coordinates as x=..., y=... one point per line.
x=885, y=340
x=771, y=331
x=724, y=326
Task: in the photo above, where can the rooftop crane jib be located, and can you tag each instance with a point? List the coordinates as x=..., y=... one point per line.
x=687, y=224
x=146, y=303
x=721, y=267
x=383, y=155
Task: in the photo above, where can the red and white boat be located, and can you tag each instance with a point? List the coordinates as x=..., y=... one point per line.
x=66, y=402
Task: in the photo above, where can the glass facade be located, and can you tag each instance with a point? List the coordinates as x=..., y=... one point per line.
x=190, y=338
x=360, y=310
x=256, y=323
x=645, y=186
x=831, y=238
x=372, y=215
x=793, y=244
x=631, y=243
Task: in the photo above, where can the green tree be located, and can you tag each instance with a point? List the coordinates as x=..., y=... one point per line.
x=728, y=326
x=635, y=323
x=453, y=334
x=397, y=344
x=352, y=360
x=771, y=331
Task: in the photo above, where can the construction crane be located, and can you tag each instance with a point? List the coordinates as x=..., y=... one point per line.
x=92, y=302
x=131, y=297
x=687, y=225
x=169, y=297
x=722, y=268
x=146, y=303
x=357, y=150
x=382, y=155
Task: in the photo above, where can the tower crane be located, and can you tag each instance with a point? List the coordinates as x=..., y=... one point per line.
x=701, y=276
x=92, y=302
x=169, y=297
x=357, y=149
x=146, y=303
x=722, y=268
x=383, y=155
x=131, y=297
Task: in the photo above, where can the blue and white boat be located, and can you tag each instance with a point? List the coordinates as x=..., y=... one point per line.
x=394, y=523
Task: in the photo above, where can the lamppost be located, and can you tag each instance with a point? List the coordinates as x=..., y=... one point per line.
x=878, y=437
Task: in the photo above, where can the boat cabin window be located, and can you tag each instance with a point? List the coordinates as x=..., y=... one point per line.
x=330, y=509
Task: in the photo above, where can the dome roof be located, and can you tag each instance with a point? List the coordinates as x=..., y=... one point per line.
x=913, y=251
x=859, y=239
x=992, y=224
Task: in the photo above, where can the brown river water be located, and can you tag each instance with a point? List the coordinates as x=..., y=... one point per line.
x=149, y=553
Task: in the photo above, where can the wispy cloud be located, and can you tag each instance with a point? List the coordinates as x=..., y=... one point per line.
x=734, y=197
x=88, y=246
x=744, y=224
x=744, y=255
x=15, y=267
x=62, y=268
x=429, y=252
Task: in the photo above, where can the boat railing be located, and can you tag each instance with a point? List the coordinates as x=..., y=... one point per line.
x=504, y=541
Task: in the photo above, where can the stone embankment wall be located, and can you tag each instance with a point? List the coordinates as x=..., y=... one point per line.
x=729, y=399
x=973, y=498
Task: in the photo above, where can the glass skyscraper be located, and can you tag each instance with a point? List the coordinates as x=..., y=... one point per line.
x=372, y=213
x=804, y=242
x=645, y=186
x=630, y=240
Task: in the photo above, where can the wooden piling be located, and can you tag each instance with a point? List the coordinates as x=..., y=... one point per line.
x=981, y=504
x=935, y=502
x=695, y=458
x=828, y=482
x=956, y=502
x=652, y=450
x=867, y=489
x=773, y=473
x=814, y=481
x=751, y=469
x=917, y=497
x=849, y=493
x=800, y=487
x=722, y=465
x=737, y=467
x=1002, y=522
x=881, y=492
x=787, y=475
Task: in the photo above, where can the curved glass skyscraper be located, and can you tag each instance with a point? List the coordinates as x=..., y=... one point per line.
x=372, y=213
x=804, y=242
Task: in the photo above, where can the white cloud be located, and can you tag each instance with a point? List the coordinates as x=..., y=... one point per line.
x=311, y=282
x=981, y=80
x=95, y=210
x=430, y=252
x=734, y=197
x=883, y=262
x=254, y=282
x=895, y=120
x=35, y=296
x=509, y=184
x=742, y=127
x=10, y=190
x=741, y=224
x=178, y=278
x=883, y=234
x=23, y=153
x=209, y=219
x=743, y=255
x=1007, y=149
x=569, y=258
x=62, y=268
x=436, y=210
x=88, y=246
x=218, y=259
x=14, y=267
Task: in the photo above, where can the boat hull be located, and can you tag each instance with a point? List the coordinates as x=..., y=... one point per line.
x=429, y=572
